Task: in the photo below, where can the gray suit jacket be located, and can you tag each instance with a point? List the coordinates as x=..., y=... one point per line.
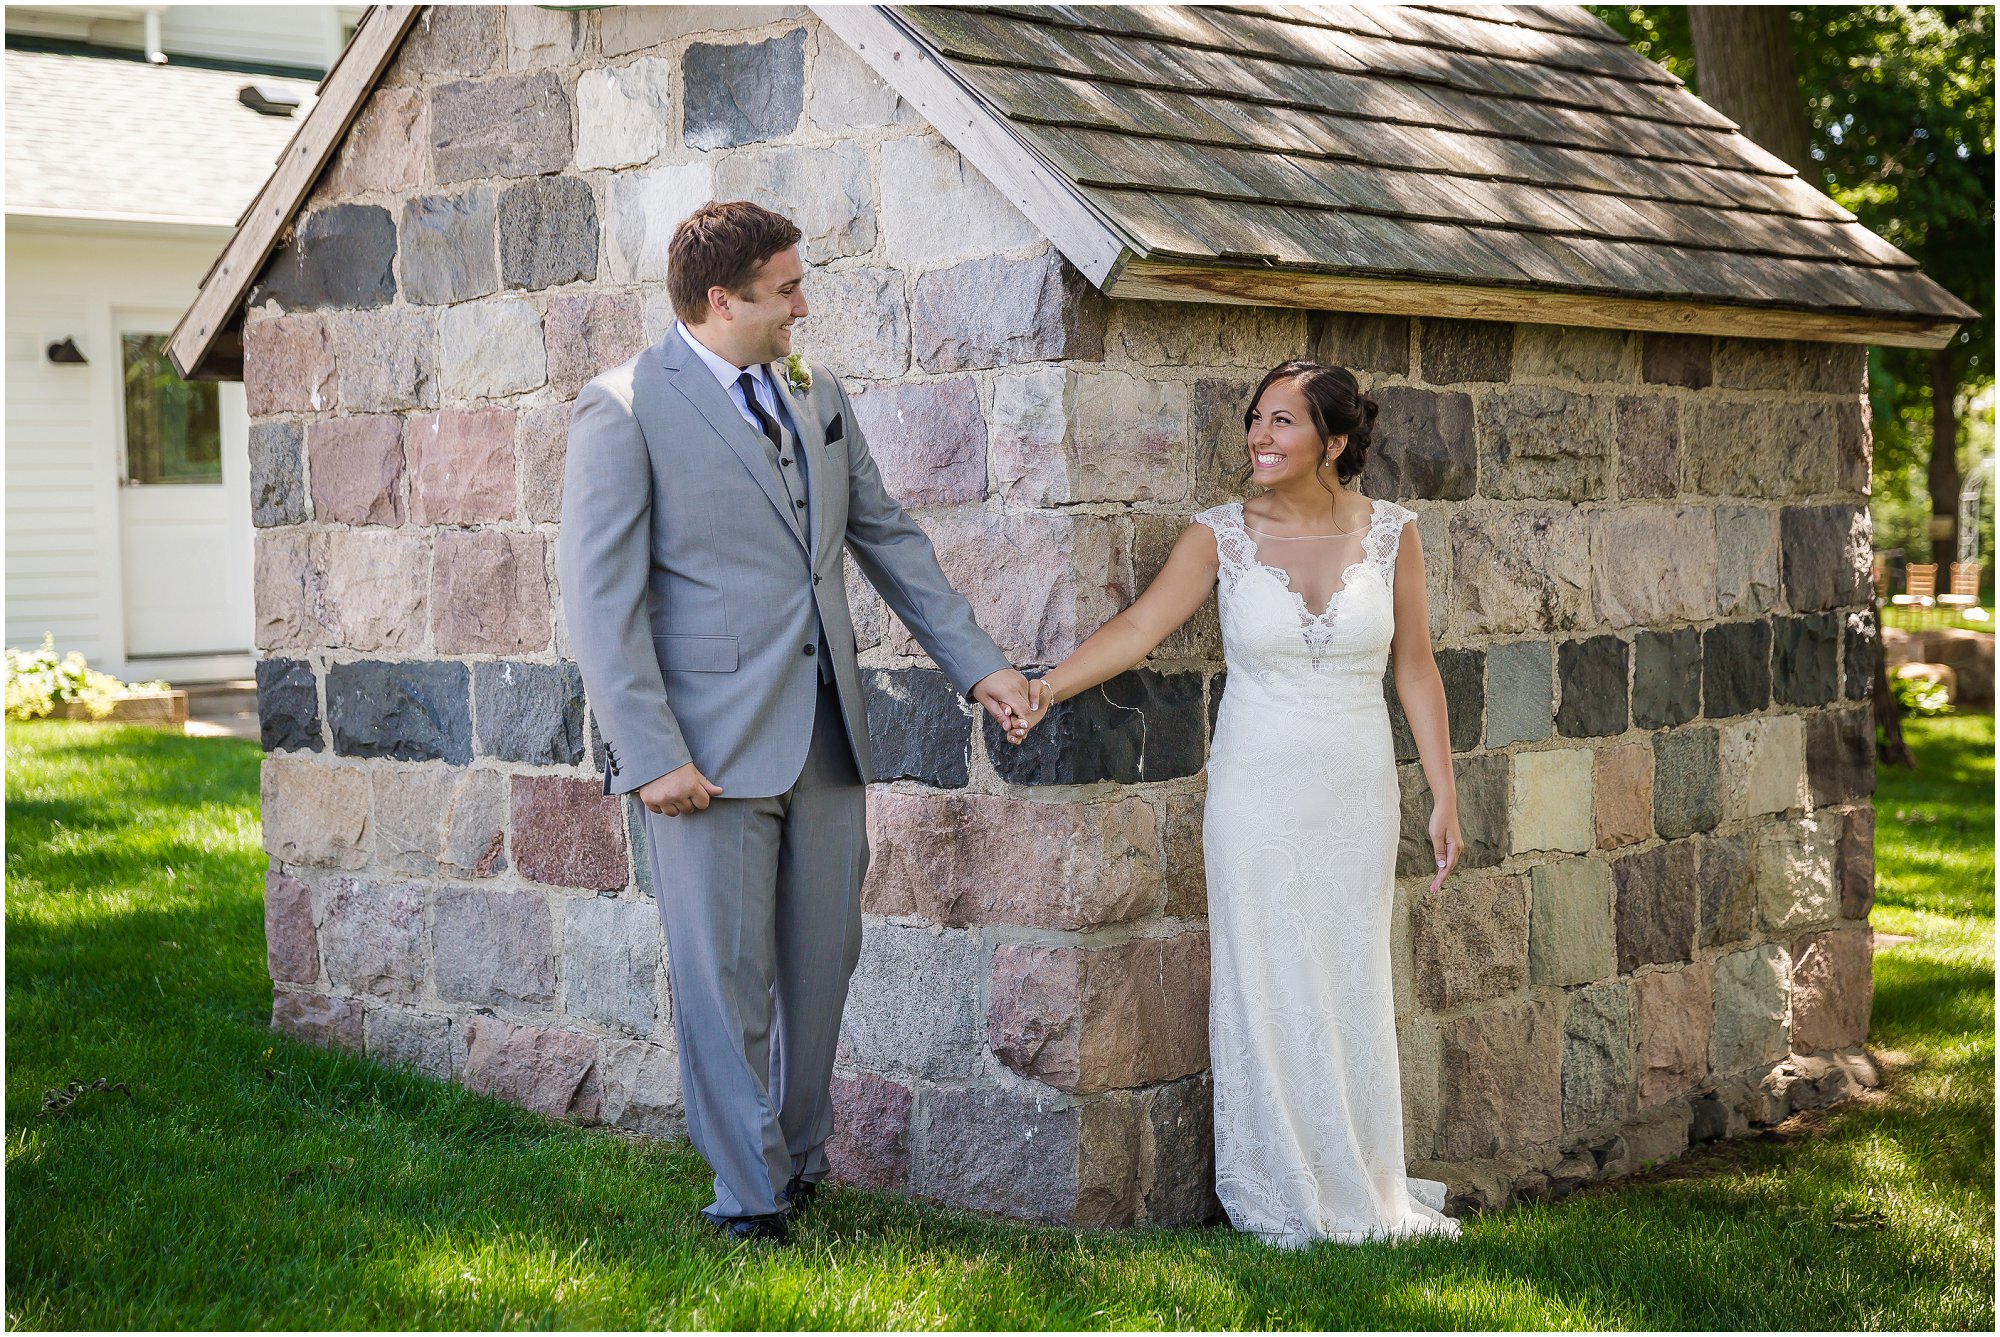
x=690, y=587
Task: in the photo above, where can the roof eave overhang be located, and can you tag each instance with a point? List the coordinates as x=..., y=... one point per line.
x=1178, y=280
x=207, y=344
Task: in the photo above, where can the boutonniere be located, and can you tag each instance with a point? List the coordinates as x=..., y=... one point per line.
x=797, y=374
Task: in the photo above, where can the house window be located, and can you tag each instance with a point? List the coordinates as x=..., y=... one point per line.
x=173, y=428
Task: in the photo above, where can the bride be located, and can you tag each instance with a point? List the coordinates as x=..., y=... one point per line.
x=1317, y=585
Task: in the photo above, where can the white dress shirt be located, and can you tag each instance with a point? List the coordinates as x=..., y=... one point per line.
x=728, y=373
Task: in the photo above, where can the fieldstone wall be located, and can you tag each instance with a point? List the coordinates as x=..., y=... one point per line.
x=1647, y=560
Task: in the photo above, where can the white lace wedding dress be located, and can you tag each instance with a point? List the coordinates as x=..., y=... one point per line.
x=1300, y=834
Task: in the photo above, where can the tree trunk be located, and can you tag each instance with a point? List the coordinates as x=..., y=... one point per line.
x=1894, y=749
x=1744, y=69
x=1944, y=477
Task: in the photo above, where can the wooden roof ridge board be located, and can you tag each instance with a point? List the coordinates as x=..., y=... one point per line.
x=202, y=346
x=1435, y=107
x=1034, y=97
x=956, y=28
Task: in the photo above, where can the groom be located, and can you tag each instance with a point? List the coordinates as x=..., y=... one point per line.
x=710, y=486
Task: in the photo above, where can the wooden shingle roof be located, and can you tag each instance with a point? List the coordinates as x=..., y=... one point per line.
x=1372, y=157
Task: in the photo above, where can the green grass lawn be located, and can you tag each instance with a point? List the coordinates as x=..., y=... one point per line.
x=248, y=1181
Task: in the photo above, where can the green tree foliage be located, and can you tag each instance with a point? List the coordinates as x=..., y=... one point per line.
x=1901, y=104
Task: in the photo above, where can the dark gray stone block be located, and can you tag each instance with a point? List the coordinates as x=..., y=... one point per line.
x=1520, y=692
x=1728, y=896
x=1424, y=445
x=548, y=233
x=745, y=92
x=1484, y=782
x=1140, y=726
x=1648, y=433
x=288, y=706
x=917, y=729
x=1360, y=343
x=1464, y=675
x=530, y=713
x=1659, y=896
x=1805, y=655
x=1687, y=782
x=341, y=256
x=1451, y=352
x=448, y=247
x=1735, y=668
x=1594, y=673
x=1840, y=755
x=1677, y=359
x=1666, y=677
x=277, y=474
x=1825, y=554
x=411, y=711
x=1861, y=646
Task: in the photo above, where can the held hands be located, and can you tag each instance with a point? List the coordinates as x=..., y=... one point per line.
x=678, y=792
x=1005, y=696
x=1447, y=843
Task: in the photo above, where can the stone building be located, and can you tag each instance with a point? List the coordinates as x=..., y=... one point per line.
x=1620, y=355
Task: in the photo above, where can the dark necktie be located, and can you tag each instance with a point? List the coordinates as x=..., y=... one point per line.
x=748, y=385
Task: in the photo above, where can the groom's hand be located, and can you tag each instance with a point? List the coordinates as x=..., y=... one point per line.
x=1005, y=696
x=678, y=792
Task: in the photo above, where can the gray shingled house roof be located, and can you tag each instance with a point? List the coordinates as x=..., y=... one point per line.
x=1494, y=162
x=105, y=136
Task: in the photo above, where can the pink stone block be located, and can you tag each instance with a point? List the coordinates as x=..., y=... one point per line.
x=928, y=439
x=288, y=366
x=568, y=832
x=870, y=1146
x=1833, y=989
x=542, y=441
x=462, y=466
x=357, y=470
x=962, y=859
x=589, y=333
x=291, y=949
x=317, y=1018
x=386, y=149
x=1671, y=1013
x=489, y=593
x=541, y=1070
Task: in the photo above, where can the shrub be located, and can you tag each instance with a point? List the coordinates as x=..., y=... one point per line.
x=39, y=680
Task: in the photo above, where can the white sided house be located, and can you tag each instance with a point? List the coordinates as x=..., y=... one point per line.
x=136, y=137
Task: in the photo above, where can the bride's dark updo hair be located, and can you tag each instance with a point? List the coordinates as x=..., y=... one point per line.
x=1338, y=408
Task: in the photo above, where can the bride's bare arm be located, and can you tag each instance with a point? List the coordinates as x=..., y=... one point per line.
x=1419, y=686
x=1182, y=586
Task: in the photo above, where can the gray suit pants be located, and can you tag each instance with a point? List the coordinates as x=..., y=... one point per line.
x=761, y=902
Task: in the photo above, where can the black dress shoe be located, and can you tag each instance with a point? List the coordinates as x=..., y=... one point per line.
x=770, y=1227
x=799, y=1193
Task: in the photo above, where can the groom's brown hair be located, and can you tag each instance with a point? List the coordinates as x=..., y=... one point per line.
x=720, y=245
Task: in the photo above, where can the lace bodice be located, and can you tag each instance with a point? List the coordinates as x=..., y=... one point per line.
x=1271, y=637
